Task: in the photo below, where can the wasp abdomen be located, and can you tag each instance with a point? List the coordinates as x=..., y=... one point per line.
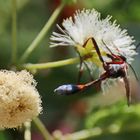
x=68, y=89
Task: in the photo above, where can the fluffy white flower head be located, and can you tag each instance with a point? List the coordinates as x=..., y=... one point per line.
x=88, y=24
x=19, y=99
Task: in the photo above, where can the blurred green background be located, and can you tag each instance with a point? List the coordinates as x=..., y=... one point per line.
x=109, y=113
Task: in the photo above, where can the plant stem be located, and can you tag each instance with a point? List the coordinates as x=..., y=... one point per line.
x=51, y=64
x=42, y=129
x=83, y=134
x=97, y=131
x=42, y=33
x=27, y=133
x=14, y=31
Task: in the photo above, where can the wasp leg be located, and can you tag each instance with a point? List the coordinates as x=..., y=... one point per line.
x=81, y=68
x=87, y=67
x=97, y=50
x=89, y=71
x=80, y=71
x=127, y=87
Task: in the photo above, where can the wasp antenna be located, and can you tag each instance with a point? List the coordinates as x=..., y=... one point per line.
x=107, y=46
x=138, y=45
x=134, y=72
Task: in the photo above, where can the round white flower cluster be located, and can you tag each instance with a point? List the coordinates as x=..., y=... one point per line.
x=19, y=99
x=88, y=24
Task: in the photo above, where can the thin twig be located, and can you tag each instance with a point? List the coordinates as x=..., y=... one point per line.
x=42, y=129
x=51, y=64
x=42, y=33
x=14, y=31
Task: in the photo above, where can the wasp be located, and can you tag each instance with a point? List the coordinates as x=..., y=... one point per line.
x=117, y=67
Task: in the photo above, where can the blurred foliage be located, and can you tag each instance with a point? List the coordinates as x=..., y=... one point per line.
x=63, y=112
x=125, y=11
x=116, y=122
x=5, y=12
x=69, y=2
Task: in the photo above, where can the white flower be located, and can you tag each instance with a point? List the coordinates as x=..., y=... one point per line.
x=88, y=24
x=19, y=99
